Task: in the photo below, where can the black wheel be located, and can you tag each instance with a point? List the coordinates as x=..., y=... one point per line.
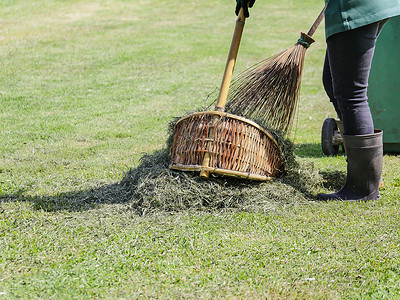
x=329, y=137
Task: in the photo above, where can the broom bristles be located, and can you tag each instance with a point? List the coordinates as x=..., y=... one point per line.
x=269, y=90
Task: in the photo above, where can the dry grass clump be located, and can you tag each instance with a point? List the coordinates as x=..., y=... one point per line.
x=155, y=187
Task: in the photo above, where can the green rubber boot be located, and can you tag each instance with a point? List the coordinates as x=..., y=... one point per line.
x=364, y=168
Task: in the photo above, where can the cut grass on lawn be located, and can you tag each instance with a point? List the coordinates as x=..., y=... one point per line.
x=87, y=92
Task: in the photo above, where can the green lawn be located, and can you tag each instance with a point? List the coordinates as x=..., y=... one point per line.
x=88, y=87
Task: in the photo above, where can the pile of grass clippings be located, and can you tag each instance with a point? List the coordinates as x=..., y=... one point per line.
x=156, y=187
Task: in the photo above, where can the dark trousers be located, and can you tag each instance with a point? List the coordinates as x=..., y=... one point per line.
x=345, y=76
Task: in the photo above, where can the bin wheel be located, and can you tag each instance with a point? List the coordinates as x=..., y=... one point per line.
x=330, y=137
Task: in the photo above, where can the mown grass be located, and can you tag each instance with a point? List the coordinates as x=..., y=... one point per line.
x=88, y=87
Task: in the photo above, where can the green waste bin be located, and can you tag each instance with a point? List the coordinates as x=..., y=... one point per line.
x=384, y=85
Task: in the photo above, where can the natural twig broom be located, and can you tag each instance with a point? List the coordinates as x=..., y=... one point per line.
x=269, y=90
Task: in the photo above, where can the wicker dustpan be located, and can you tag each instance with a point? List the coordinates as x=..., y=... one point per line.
x=237, y=147
x=226, y=144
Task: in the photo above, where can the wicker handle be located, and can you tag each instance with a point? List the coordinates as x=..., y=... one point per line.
x=224, y=89
x=230, y=63
x=317, y=22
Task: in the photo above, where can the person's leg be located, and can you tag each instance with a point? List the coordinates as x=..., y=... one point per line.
x=328, y=86
x=364, y=168
x=349, y=57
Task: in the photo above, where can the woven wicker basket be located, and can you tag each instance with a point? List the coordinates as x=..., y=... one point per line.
x=225, y=144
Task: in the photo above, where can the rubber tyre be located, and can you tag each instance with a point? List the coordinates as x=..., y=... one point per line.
x=328, y=131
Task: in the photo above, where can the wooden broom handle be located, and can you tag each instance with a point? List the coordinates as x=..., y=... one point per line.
x=230, y=63
x=224, y=89
x=317, y=22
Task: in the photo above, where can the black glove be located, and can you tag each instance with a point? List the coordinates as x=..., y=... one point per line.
x=245, y=4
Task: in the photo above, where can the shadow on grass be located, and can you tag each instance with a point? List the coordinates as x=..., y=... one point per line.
x=77, y=200
x=153, y=186
x=333, y=180
x=312, y=150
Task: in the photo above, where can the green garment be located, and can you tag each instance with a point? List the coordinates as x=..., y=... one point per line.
x=343, y=15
